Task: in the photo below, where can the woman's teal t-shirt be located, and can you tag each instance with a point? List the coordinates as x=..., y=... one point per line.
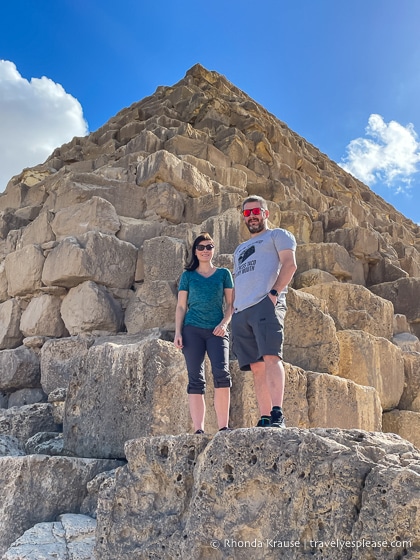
x=205, y=297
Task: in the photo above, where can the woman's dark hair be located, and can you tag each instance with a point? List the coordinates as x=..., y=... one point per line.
x=194, y=262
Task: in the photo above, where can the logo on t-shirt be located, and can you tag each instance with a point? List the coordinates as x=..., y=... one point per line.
x=245, y=254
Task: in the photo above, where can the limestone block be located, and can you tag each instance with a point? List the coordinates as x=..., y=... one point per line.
x=164, y=200
x=24, y=422
x=57, y=400
x=146, y=141
x=10, y=335
x=404, y=294
x=199, y=209
x=39, y=231
x=24, y=270
x=361, y=242
x=93, y=256
x=97, y=214
x=71, y=537
x=311, y=278
x=329, y=257
x=164, y=259
x=25, y=501
x=244, y=411
x=226, y=230
x=356, y=308
x=233, y=144
x=385, y=270
x=22, y=397
x=401, y=325
x=10, y=220
x=137, y=231
x=90, y=503
x=3, y=283
x=407, y=342
x=90, y=307
x=19, y=369
x=298, y=223
x=341, y=403
x=163, y=167
x=410, y=399
x=183, y=145
x=310, y=338
x=45, y=443
x=128, y=386
x=374, y=362
x=152, y=306
x=405, y=423
x=338, y=217
x=42, y=317
x=201, y=496
x=127, y=198
x=60, y=359
x=10, y=447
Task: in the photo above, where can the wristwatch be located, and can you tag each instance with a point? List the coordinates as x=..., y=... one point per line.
x=274, y=293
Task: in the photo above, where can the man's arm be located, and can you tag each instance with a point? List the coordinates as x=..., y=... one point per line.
x=287, y=259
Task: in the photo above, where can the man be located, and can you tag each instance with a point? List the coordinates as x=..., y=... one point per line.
x=263, y=267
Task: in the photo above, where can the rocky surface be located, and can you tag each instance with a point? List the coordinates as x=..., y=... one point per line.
x=200, y=497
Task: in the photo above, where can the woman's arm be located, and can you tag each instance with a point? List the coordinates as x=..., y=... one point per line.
x=181, y=309
x=220, y=329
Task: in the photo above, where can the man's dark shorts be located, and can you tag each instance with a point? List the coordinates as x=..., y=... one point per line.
x=258, y=331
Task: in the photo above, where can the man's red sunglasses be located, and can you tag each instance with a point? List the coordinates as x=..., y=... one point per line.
x=255, y=211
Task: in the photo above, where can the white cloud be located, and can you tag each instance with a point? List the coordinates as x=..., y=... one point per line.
x=36, y=117
x=390, y=154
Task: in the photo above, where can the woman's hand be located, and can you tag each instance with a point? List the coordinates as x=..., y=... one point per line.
x=178, y=341
x=220, y=329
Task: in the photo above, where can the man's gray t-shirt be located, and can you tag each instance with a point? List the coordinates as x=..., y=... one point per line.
x=257, y=266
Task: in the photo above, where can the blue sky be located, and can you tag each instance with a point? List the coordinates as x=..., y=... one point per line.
x=345, y=75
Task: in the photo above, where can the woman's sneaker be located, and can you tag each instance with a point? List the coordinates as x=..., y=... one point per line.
x=277, y=418
x=264, y=422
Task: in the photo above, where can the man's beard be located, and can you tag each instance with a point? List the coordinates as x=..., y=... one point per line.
x=256, y=227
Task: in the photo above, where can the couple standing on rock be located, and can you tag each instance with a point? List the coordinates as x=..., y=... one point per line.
x=207, y=301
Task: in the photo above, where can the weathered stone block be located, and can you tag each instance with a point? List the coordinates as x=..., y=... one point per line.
x=90, y=307
x=372, y=361
x=340, y=403
x=39, y=231
x=42, y=317
x=405, y=423
x=137, y=231
x=165, y=201
x=60, y=359
x=310, y=334
x=164, y=259
x=19, y=369
x=405, y=296
x=25, y=501
x=24, y=270
x=330, y=257
x=354, y=307
x=163, y=167
x=410, y=399
x=10, y=314
x=258, y=471
x=128, y=386
x=97, y=214
x=24, y=422
x=153, y=305
x=75, y=261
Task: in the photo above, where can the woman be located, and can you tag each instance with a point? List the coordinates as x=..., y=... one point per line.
x=201, y=326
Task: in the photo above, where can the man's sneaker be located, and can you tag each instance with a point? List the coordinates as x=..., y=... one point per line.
x=277, y=418
x=225, y=429
x=199, y=432
x=264, y=422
